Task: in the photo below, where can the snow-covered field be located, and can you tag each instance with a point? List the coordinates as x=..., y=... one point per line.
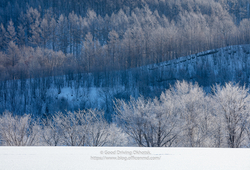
x=119, y=158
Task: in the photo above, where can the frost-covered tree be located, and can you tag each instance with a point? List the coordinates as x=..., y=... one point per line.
x=35, y=38
x=13, y=54
x=44, y=29
x=32, y=22
x=3, y=37
x=52, y=28
x=63, y=33
x=98, y=131
x=233, y=109
x=195, y=115
x=18, y=130
x=11, y=35
x=21, y=35
x=147, y=122
x=117, y=137
x=112, y=46
x=74, y=128
x=89, y=50
x=51, y=132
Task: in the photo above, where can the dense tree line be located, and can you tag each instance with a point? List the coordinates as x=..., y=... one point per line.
x=170, y=8
x=183, y=116
x=81, y=128
x=111, y=35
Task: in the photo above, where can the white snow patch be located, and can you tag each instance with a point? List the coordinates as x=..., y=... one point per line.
x=91, y=158
x=67, y=93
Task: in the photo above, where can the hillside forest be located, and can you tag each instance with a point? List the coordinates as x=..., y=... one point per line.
x=146, y=73
x=47, y=38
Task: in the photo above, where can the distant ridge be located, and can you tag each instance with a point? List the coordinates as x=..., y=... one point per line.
x=213, y=66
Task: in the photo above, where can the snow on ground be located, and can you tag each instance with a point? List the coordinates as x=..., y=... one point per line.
x=119, y=158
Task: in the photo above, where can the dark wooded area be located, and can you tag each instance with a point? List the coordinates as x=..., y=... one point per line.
x=45, y=38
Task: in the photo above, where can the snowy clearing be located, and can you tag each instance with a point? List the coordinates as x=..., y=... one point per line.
x=65, y=158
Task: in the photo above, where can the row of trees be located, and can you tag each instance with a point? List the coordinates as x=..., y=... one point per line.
x=47, y=45
x=239, y=9
x=82, y=128
x=183, y=116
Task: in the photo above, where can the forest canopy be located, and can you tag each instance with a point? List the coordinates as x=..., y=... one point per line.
x=45, y=38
